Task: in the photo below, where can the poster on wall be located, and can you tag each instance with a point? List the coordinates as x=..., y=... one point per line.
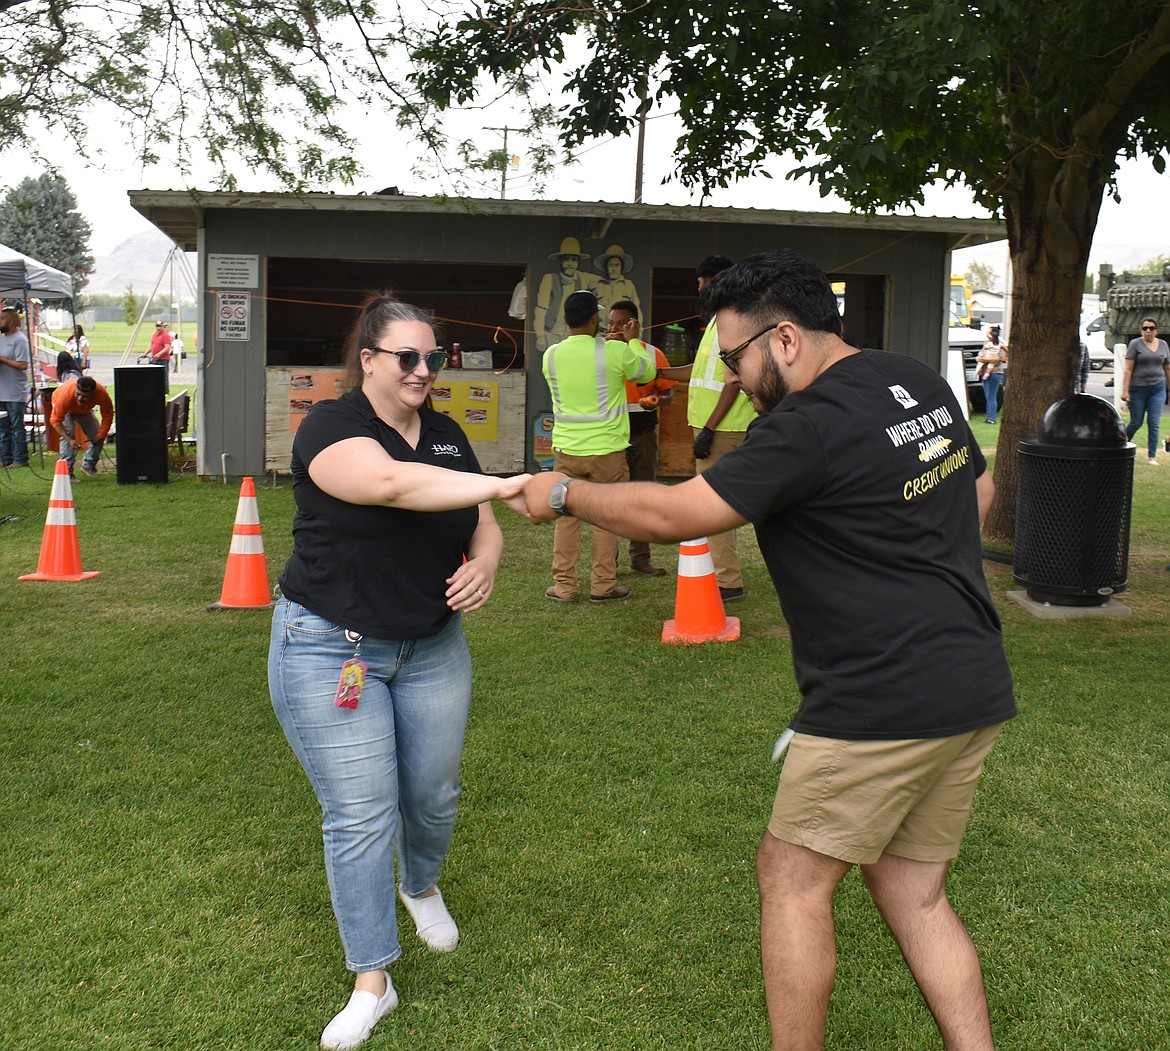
x=305, y=389
x=474, y=406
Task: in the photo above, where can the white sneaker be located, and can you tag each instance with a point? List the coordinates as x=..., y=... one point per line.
x=1153, y=462
x=432, y=921
x=354, y=1022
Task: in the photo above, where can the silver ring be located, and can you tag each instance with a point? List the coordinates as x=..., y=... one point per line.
x=480, y=593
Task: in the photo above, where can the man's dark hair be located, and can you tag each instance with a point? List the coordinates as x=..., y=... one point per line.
x=711, y=265
x=580, y=307
x=628, y=305
x=776, y=286
x=87, y=384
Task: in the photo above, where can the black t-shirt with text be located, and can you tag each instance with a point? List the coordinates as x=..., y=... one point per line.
x=862, y=490
x=380, y=571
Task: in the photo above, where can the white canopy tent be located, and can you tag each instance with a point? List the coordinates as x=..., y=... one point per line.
x=22, y=277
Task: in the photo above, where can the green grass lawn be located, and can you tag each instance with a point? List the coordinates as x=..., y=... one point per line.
x=161, y=858
x=113, y=337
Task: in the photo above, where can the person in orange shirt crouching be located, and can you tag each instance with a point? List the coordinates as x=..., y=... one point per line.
x=73, y=405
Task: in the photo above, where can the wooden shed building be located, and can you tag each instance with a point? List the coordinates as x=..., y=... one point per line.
x=281, y=274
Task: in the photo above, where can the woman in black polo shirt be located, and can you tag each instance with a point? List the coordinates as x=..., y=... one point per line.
x=370, y=676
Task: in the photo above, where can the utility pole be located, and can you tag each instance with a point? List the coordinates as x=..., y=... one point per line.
x=643, y=106
x=507, y=159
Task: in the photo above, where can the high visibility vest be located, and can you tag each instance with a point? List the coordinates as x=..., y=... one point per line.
x=586, y=377
x=706, y=384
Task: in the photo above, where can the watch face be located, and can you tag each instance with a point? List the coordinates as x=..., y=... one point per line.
x=556, y=496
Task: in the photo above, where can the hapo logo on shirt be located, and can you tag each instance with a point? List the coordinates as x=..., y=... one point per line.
x=902, y=396
x=446, y=450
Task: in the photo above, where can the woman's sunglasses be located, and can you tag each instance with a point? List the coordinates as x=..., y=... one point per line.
x=408, y=359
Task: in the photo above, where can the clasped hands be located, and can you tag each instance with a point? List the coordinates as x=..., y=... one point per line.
x=527, y=494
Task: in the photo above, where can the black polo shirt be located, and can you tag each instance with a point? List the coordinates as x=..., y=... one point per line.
x=380, y=571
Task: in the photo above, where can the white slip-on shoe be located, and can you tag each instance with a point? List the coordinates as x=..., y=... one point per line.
x=354, y=1022
x=432, y=920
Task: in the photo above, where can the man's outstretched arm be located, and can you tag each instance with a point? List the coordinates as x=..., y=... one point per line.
x=660, y=514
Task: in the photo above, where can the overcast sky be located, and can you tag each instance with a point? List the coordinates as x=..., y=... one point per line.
x=1139, y=225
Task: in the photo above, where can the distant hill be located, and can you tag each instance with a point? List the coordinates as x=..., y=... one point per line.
x=138, y=262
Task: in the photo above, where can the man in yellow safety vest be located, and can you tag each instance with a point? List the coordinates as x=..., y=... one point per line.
x=586, y=375
x=719, y=413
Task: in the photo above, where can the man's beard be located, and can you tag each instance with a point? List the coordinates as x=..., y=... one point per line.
x=772, y=388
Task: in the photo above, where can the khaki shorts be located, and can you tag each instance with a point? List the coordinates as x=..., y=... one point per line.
x=856, y=800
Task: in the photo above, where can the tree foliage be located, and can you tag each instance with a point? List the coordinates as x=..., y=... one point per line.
x=39, y=217
x=130, y=306
x=982, y=275
x=1029, y=103
x=1154, y=265
x=262, y=85
x=877, y=101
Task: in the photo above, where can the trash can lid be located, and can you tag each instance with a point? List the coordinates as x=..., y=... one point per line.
x=1083, y=419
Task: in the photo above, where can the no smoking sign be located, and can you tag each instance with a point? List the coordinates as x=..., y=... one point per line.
x=232, y=315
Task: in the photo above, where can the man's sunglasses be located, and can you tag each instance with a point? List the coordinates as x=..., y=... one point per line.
x=727, y=356
x=1149, y=328
x=408, y=359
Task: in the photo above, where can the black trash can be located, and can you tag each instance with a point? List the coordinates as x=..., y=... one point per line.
x=1073, y=505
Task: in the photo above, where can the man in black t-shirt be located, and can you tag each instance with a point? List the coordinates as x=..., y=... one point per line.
x=867, y=491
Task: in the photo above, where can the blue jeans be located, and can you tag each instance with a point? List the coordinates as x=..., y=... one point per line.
x=386, y=773
x=13, y=439
x=166, y=367
x=991, y=387
x=1146, y=402
x=90, y=427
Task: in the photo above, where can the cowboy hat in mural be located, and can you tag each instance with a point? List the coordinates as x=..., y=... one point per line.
x=556, y=286
x=570, y=246
x=601, y=262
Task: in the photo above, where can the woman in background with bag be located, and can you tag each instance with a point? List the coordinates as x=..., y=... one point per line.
x=78, y=346
x=992, y=359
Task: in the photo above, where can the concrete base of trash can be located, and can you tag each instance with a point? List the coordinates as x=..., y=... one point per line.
x=1049, y=611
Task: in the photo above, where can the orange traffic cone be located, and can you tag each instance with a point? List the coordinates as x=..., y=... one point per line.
x=60, y=551
x=245, y=582
x=698, y=609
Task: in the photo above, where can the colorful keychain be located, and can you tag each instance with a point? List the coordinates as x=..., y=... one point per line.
x=353, y=675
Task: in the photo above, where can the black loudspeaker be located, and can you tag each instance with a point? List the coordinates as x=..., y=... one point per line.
x=141, y=424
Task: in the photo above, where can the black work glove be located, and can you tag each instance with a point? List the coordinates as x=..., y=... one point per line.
x=703, y=442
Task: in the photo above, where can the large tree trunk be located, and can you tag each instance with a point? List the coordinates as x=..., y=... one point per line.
x=1050, y=217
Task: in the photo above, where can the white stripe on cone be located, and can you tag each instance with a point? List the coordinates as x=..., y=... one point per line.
x=247, y=511
x=247, y=544
x=61, y=516
x=699, y=564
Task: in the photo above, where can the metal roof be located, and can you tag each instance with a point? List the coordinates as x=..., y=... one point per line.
x=179, y=213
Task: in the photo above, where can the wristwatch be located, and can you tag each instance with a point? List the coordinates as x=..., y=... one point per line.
x=558, y=495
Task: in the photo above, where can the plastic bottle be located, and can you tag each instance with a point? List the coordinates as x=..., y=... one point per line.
x=456, y=361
